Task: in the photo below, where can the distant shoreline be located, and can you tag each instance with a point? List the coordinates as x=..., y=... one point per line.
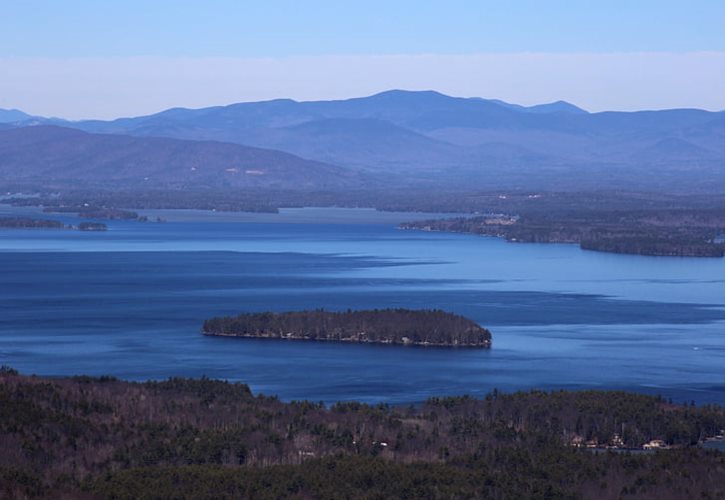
x=335, y=341
x=665, y=234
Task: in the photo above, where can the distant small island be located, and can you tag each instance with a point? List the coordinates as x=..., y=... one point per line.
x=28, y=223
x=377, y=326
x=92, y=226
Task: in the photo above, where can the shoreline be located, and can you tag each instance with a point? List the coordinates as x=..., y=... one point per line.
x=586, y=248
x=484, y=345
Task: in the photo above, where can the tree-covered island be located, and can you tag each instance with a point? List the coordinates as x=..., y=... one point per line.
x=377, y=326
x=28, y=223
x=92, y=226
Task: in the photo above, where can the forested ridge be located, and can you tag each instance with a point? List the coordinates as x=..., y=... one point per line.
x=380, y=326
x=562, y=205
x=105, y=438
x=677, y=233
x=397, y=139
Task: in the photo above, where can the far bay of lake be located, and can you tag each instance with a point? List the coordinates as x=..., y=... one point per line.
x=130, y=302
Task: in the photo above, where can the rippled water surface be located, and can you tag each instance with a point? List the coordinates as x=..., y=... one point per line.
x=130, y=302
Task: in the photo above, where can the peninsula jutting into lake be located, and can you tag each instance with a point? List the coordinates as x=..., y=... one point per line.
x=378, y=326
x=673, y=233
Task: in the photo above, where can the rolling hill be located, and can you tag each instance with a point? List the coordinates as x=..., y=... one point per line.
x=63, y=157
x=427, y=138
x=13, y=115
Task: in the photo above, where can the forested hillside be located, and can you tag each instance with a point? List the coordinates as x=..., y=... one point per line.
x=50, y=157
x=408, y=136
x=102, y=437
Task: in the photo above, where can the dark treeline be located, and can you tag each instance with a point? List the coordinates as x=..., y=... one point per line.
x=93, y=212
x=513, y=472
x=388, y=326
x=682, y=232
x=410, y=200
x=685, y=244
x=27, y=223
x=101, y=437
x=117, y=202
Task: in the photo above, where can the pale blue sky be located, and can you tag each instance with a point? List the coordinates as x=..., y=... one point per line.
x=274, y=28
x=109, y=58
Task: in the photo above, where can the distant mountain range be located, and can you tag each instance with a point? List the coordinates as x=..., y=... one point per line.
x=53, y=156
x=427, y=138
x=13, y=115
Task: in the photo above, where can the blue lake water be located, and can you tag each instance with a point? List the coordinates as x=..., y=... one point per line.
x=130, y=302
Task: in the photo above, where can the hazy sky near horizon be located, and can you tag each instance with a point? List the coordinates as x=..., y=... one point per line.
x=90, y=59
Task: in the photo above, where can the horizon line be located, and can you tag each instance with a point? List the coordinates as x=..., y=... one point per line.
x=492, y=100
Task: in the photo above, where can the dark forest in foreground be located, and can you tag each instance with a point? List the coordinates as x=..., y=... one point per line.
x=102, y=437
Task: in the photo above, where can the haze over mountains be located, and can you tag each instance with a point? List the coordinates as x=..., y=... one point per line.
x=426, y=139
x=60, y=157
x=13, y=115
